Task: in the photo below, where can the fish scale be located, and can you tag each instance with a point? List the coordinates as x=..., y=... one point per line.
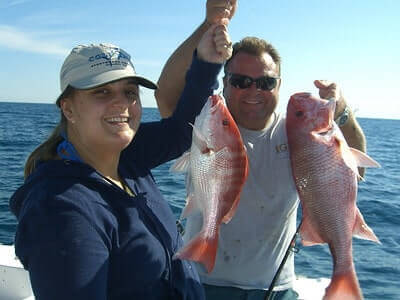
x=217, y=168
x=325, y=172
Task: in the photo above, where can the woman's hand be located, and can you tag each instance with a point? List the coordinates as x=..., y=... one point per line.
x=220, y=9
x=215, y=46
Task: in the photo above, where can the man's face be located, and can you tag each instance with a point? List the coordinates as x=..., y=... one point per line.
x=251, y=107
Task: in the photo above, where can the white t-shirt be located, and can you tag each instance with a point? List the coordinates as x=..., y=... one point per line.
x=252, y=245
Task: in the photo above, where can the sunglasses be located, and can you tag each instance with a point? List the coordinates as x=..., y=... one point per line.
x=265, y=83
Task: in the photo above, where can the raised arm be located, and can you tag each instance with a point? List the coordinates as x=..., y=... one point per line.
x=174, y=134
x=350, y=128
x=172, y=78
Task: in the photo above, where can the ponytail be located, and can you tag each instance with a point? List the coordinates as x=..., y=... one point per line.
x=48, y=149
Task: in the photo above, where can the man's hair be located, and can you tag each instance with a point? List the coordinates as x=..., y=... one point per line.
x=257, y=47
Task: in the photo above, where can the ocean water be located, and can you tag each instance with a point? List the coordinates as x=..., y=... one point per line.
x=24, y=126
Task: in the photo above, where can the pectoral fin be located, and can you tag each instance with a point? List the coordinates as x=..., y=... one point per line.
x=363, y=160
x=181, y=165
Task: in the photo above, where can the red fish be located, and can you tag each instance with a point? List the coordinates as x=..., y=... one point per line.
x=217, y=168
x=325, y=172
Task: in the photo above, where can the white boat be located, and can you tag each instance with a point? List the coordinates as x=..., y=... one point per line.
x=14, y=279
x=15, y=283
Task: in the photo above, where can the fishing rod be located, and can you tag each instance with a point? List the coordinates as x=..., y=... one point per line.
x=278, y=272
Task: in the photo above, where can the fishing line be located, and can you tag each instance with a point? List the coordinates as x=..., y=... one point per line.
x=290, y=249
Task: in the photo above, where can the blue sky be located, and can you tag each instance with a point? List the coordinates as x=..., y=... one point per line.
x=355, y=43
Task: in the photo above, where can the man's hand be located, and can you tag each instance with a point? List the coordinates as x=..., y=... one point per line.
x=220, y=9
x=330, y=90
x=352, y=131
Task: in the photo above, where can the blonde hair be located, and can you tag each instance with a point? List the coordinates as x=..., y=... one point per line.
x=48, y=149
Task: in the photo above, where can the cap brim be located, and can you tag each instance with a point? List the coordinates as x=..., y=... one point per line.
x=146, y=83
x=104, y=78
x=110, y=76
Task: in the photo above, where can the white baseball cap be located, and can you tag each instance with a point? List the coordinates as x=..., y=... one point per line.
x=89, y=66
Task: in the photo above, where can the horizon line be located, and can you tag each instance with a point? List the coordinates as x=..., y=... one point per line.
x=53, y=103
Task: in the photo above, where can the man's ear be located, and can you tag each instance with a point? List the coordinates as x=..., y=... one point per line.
x=67, y=109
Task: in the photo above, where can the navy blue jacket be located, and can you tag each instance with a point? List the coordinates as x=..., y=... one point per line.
x=81, y=237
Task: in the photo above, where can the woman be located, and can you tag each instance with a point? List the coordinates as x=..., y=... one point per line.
x=91, y=222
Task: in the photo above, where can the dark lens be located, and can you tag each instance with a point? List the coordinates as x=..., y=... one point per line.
x=266, y=83
x=247, y=82
x=240, y=81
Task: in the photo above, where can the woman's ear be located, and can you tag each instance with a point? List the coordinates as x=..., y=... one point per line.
x=67, y=109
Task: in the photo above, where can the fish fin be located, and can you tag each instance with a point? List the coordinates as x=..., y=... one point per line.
x=363, y=160
x=229, y=215
x=192, y=203
x=362, y=231
x=202, y=249
x=181, y=164
x=190, y=207
x=353, y=158
x=309, y=236
x=199, y=140
x=344, y=286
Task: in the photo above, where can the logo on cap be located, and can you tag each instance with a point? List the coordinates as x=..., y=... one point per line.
x=112, y=56
x=108, y=56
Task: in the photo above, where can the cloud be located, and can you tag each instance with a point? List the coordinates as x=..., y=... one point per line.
x=12, y=38
x=14, y=3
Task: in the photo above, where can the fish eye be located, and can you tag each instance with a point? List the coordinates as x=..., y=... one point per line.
x=225, y=122
x=299, y=113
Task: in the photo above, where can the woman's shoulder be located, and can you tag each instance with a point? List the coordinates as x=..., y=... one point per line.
x=50, y=198
x=58, y=184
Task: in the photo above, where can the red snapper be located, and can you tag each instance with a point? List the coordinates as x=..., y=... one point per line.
x=217, y=168
x=325, y=173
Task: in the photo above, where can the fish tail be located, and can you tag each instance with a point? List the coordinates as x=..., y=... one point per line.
x=203, y=249
x=344, y=286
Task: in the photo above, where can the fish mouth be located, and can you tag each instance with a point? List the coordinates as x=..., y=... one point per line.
x=326, y=131
x=331, y=106
x=327, y=124
x=215, y=102
x=328, y=111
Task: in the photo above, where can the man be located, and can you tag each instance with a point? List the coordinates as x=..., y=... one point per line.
x=252, y=245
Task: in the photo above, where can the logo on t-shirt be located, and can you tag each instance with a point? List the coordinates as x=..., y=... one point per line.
x=282, y=150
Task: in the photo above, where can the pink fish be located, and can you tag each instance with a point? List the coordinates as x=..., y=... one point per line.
x=217, y=168
x=325, y=172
